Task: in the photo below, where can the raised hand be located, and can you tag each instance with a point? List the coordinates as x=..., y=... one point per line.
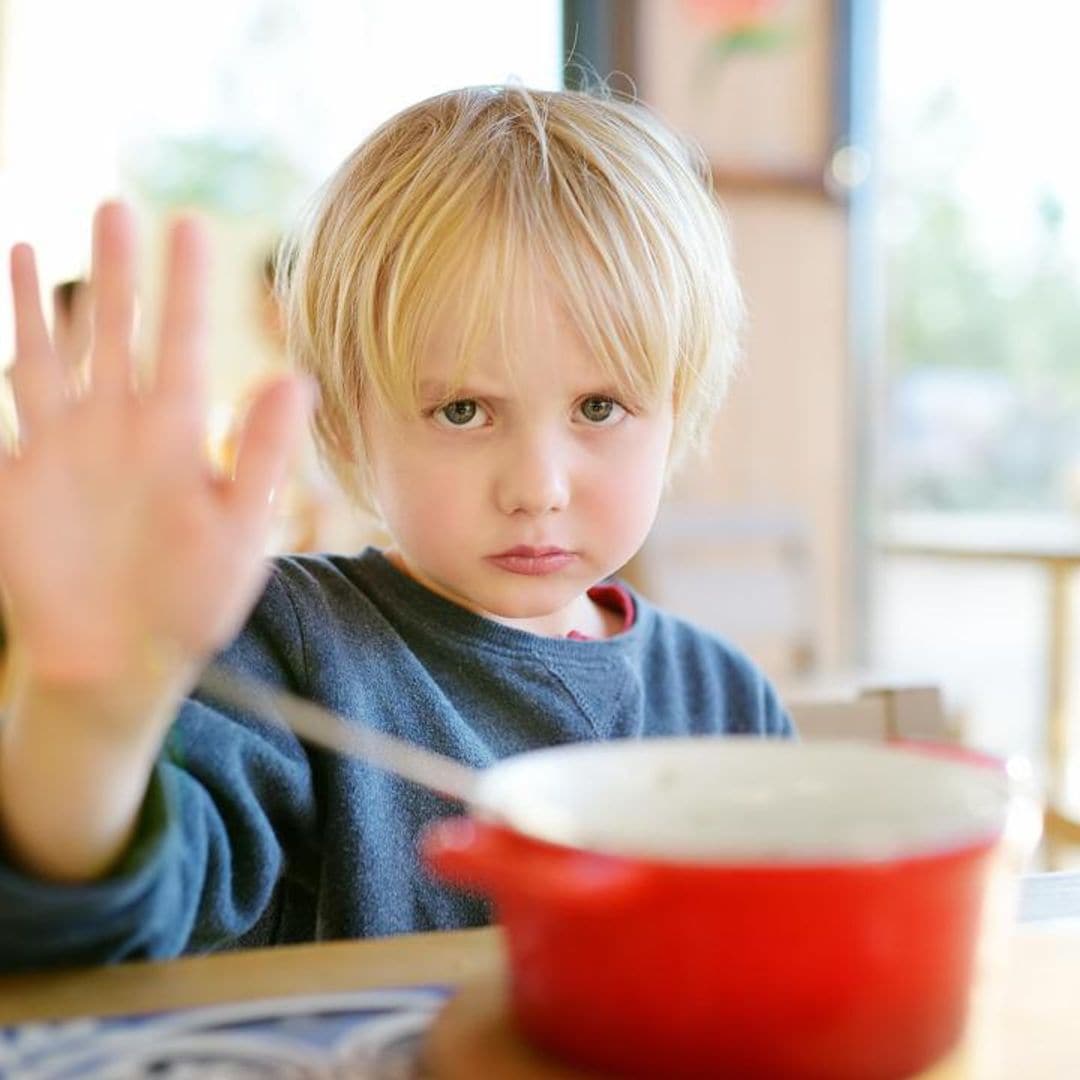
x=119, y=546
x=124, y=559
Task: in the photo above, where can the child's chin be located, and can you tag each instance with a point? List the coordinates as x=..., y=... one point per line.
x=529, y=598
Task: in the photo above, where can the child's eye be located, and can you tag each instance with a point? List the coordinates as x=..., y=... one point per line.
x=461, y=414
x=601, y=411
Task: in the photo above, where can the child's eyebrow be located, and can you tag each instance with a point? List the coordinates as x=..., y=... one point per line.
x=433, y=390
x=436, y=390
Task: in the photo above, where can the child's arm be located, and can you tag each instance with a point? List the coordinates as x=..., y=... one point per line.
x=124, y=560
x=228, y=832
x=74, y=764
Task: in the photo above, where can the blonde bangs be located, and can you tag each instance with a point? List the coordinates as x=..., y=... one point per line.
x=473, y=201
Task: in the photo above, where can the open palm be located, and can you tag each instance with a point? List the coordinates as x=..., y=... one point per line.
x=119, y=545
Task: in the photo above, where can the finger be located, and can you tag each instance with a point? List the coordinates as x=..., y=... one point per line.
x=113, y=275
x=31, y=333
x=180, y=374
x=37, y=377
x=269, y=439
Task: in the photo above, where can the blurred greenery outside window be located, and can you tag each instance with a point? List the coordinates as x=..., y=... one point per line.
x=980, y=223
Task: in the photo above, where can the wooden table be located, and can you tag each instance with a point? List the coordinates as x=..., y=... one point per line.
x=1049, y=541
x=1038, y=1039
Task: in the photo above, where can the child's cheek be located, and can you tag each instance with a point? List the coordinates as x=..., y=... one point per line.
x=452, y=518
x=629, y=507
x=626, y=498
x=444, y=494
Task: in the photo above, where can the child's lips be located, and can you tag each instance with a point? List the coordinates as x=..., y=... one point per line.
x=533, y=561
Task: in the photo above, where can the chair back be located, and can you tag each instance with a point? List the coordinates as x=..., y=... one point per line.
x=875, y=713
x=745, y=573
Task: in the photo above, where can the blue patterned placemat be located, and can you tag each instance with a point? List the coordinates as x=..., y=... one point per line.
x=366, y=1035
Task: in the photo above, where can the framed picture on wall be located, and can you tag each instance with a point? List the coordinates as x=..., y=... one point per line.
x=753, y=81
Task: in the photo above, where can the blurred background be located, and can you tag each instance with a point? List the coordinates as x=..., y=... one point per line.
x=893, y=490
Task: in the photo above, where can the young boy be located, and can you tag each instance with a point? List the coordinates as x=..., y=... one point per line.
x=519, y=311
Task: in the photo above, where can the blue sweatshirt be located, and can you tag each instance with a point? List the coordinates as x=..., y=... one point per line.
x=249, y=837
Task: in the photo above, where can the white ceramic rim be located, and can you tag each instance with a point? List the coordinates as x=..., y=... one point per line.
x=746, y=800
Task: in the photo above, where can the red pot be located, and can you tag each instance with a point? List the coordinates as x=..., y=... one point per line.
x=727, y=907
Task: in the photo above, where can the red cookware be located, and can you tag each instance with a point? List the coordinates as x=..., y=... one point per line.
x=718, y=907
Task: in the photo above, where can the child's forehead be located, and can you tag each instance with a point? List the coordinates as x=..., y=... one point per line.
x=524, y=365
x=524, y=327
x=520, y=327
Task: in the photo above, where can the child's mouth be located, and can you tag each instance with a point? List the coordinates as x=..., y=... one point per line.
x=533, y=561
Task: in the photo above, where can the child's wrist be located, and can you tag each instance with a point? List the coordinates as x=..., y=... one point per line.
x=145, y=679
x=75, y=759
x=114, y=720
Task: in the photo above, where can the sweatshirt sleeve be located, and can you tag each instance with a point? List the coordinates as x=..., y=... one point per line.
x=778, y=720
x=229, y=808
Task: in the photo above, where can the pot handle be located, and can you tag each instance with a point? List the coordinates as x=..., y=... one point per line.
x=477, y=856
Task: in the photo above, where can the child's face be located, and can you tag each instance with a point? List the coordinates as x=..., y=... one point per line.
x=535, y=451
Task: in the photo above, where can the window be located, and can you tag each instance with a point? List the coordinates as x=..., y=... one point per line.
x=979, y=434
x=980, y=221
x=241, y=108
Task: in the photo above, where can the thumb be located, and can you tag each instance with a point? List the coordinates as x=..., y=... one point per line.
x=269, y=440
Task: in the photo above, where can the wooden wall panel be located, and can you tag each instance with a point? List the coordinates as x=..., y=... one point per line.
x=784, y=437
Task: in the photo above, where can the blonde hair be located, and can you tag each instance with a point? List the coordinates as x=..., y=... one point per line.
x=459, y=197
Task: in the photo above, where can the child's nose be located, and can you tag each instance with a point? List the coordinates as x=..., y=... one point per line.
x=533, y=477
